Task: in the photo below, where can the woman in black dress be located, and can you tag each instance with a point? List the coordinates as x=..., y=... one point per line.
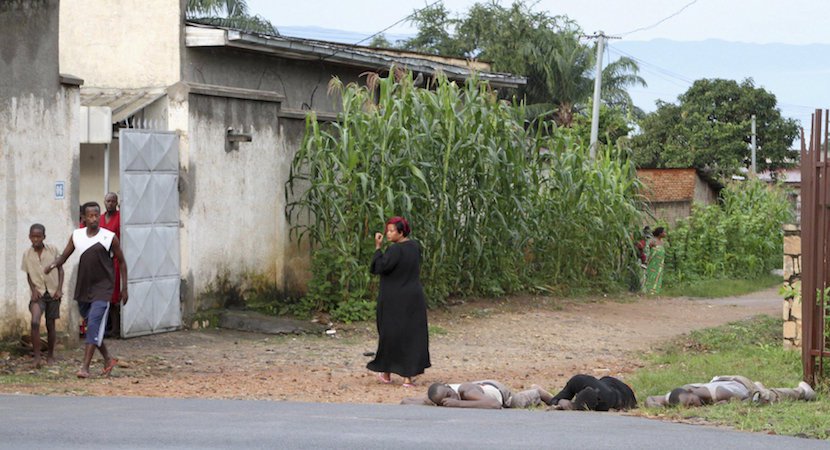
x=403, y=338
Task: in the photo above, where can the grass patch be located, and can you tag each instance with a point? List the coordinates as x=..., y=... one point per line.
x=435, y=330
x=721, y=288
x=751, y=348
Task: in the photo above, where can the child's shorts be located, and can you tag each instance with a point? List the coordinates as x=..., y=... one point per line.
x=49, y=306
x=95, y=314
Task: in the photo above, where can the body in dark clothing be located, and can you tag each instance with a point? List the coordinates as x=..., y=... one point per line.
x=584, y=392
x=403, y=339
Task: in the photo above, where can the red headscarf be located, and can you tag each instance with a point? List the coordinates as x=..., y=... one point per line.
x=398, y=219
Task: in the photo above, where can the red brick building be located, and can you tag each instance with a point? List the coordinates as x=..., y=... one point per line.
x=670, y=193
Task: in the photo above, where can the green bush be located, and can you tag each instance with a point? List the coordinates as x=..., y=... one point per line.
x=499, y=206
x=739, y=238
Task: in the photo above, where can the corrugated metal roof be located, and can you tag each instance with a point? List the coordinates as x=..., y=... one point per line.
x=200, y=35
x=123, y=102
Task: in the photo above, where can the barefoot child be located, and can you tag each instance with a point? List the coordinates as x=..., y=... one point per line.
x=95, y=284
x=46, y=290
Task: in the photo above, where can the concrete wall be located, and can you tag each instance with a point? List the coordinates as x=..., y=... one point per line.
x=303, y=83
x=232, y=201
x=123, y=43
x=39, y=144
x=250, y=182
x=704, y=193
x=670, y=212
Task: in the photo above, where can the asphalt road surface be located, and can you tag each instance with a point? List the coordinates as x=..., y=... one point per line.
x=40, y=422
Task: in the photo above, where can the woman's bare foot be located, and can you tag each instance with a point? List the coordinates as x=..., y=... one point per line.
x=50, y=360
x=37, y=363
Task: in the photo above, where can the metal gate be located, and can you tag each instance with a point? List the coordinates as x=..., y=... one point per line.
x=815, y=247
x=150, y=230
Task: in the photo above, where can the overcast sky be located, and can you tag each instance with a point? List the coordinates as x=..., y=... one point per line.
x=798, y=76
x=756, y=21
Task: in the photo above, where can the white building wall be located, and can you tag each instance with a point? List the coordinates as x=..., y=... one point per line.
x=39, y=142
x=233, y=202
x=121, y=44
x=91, y=186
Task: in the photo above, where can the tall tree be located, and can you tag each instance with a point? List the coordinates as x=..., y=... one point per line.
x=516, y=39
x=230, y=14
x=710, y=128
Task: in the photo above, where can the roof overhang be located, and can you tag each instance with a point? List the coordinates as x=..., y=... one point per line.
x=197, y=35
x=123, y=102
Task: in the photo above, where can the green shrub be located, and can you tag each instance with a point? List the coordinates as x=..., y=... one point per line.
x=739, y=238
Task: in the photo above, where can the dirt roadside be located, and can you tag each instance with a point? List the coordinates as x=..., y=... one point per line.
x=521, y=341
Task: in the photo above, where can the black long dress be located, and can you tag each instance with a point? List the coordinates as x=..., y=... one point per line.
x=403, y=337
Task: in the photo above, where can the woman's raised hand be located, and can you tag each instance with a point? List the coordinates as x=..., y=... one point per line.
x=378, y=240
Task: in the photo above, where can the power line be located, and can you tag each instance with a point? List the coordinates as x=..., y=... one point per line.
x=661, y=20
x=398, y=22
x=654, y=68
x=340, y=50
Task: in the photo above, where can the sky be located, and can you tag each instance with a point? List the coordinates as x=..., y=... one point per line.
x=754, y=21
x=796, y=72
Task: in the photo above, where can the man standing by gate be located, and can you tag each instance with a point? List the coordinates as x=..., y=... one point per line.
x=111, y=220
x=96, y=281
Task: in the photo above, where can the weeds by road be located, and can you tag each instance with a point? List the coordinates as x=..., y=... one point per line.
x=751, y=348
x=721, y=288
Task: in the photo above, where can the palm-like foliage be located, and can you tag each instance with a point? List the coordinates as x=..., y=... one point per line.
x=565, y=68
x=229, y=14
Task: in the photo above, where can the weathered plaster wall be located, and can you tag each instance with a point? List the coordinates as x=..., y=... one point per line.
x=305, y=86
x=232, y=201
x=39, y=144
x=121, y=44
x=303, y=83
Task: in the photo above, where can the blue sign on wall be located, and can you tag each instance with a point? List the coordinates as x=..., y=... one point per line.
x=60, y=190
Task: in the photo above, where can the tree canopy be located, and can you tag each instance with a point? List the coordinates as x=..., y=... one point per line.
x=547, y=49
x=710, y=128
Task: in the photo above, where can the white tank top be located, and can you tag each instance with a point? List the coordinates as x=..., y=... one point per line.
x=82, y=242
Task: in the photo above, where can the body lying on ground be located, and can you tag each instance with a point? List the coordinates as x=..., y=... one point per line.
x=584, y=392
x=724, y=388
x=484, y=394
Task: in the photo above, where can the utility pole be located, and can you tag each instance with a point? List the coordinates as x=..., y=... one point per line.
x=600, y=37
x=754, y=147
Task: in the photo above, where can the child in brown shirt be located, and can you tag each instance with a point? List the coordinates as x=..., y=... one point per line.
x=46, y=290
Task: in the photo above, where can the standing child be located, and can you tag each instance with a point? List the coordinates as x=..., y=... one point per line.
x=93, y=289
x=46, y=290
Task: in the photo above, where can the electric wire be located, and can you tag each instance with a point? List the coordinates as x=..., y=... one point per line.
x=398, y=22
x=675, y=14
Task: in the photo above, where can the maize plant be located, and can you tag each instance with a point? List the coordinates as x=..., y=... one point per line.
x=741, y=237
x=498, y=207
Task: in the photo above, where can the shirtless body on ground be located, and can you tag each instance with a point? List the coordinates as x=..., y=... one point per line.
x=722, y=389
x=485, y=394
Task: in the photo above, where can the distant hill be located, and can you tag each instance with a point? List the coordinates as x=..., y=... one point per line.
x=799, y=75
x=328, y=34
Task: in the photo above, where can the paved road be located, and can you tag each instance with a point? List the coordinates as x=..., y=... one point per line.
x=40, y=422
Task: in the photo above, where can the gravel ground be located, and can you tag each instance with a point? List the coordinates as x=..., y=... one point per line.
x=519, y=340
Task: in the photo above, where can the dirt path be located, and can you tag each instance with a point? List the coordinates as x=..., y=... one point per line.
x=521, y=341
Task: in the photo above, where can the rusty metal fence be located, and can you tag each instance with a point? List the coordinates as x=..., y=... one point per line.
x=815, y=245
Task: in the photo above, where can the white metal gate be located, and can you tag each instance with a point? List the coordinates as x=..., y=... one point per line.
x=150, y=230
